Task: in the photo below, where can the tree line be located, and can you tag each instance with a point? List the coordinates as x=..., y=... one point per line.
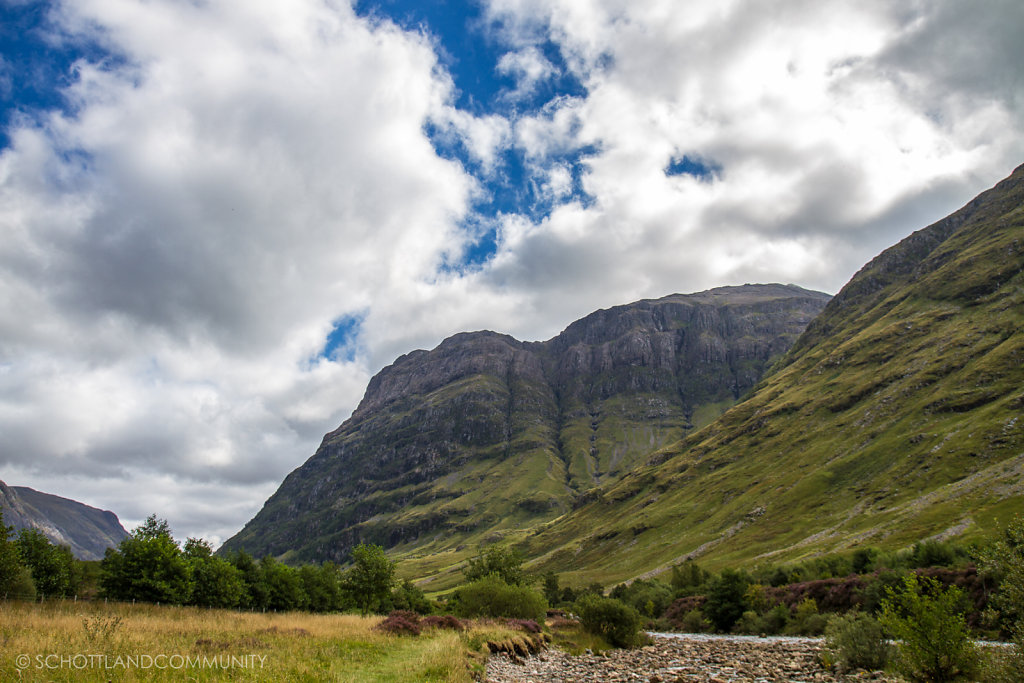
x=151, y=566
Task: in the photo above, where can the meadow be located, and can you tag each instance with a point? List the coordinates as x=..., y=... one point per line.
x=94, y=641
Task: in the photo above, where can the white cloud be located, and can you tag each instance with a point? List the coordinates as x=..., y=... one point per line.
x=528, y=67
x=176, y=249
x=177, y=246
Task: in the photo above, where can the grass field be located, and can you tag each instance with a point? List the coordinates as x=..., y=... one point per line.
x=66, y=641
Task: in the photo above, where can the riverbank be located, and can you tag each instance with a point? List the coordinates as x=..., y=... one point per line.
x=684, y=658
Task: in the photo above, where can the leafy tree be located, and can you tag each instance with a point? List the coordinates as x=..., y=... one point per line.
x=283, y=585
x=1004, y=561
x=53, y=567
x=933, y=642
x=410, y=597
x=552, y=591
x=322, y=586
x=687, y=577
x=504, y=562
x=148, y=565
x=863, y=560
x=369, y=580
x=215, y=581
x=726, y=599
x=649, y=597
x=254, y=592
x=15, y=577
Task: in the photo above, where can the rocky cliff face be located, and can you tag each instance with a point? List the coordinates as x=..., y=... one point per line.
x=88, y=531
x=486, y=435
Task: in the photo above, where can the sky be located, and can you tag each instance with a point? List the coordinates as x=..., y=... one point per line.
x=219, y=219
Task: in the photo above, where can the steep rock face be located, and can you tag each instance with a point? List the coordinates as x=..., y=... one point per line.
x=88, y=531
x=896, y=416
x=485, y=434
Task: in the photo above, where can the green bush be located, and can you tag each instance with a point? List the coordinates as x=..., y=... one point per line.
x=694, y=622
x=492, y=597
x=933, y=643
x=856, y=641
x=1004, y=562
x=613, y=620
x=807, y=621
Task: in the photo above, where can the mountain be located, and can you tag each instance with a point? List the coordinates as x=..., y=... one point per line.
x=898, y=415
x=486, y=436
x=87, y=530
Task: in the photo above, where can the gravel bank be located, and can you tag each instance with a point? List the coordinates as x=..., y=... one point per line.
x=681, y=658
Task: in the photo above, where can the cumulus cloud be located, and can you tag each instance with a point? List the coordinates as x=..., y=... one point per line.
x=180, y=240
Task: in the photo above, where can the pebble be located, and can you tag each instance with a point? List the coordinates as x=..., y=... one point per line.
x=677, y=658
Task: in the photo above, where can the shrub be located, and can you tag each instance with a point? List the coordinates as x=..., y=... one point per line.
x=400, y=623
x=693, y=622
x=528, y=625
x=492, y=597
x=933, y=643
x=806, y=620
x=856, y=641
x=613, y=620
x=681, y=607
x=443, y=621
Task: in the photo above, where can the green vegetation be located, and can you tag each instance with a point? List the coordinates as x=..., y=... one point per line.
x=199, y=644
x=492, y=597
x=855, y=641
x=894, y=418
x=610, y=619
x=933, y=643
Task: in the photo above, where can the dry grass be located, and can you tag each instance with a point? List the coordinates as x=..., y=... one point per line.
x=97, y=642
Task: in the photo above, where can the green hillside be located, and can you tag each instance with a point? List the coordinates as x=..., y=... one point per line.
x=898, y=415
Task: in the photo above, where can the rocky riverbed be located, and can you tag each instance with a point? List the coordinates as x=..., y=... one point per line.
x=684, y=659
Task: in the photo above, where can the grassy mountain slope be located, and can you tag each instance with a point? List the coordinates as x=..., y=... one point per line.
x=898, y=415
x=86, y=530
x=485, y=437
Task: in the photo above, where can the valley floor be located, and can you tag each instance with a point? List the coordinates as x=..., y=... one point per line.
x=682, y=658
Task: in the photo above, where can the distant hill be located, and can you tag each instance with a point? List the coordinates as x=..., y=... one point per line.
x=87, y=530
x=486, y=436
x=898, y=415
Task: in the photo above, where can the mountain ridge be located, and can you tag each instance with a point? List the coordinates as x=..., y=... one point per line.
x=893, y=418
x=427, y=451
x=88, y=531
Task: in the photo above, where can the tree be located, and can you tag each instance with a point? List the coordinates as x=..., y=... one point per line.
x=53, y=567
x=552, y=591
x=726, y=599
x=148, y=565
x=505, y=563
x=254, y=590
x=1003, y=560
x=933, y=644
x=283, y=585
x=15, y=577
x=215, y=581
x=369, y=580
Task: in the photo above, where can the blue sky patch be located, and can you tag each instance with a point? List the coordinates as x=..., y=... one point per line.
x=36, y=63
x=702, y=169
x=341, y=343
